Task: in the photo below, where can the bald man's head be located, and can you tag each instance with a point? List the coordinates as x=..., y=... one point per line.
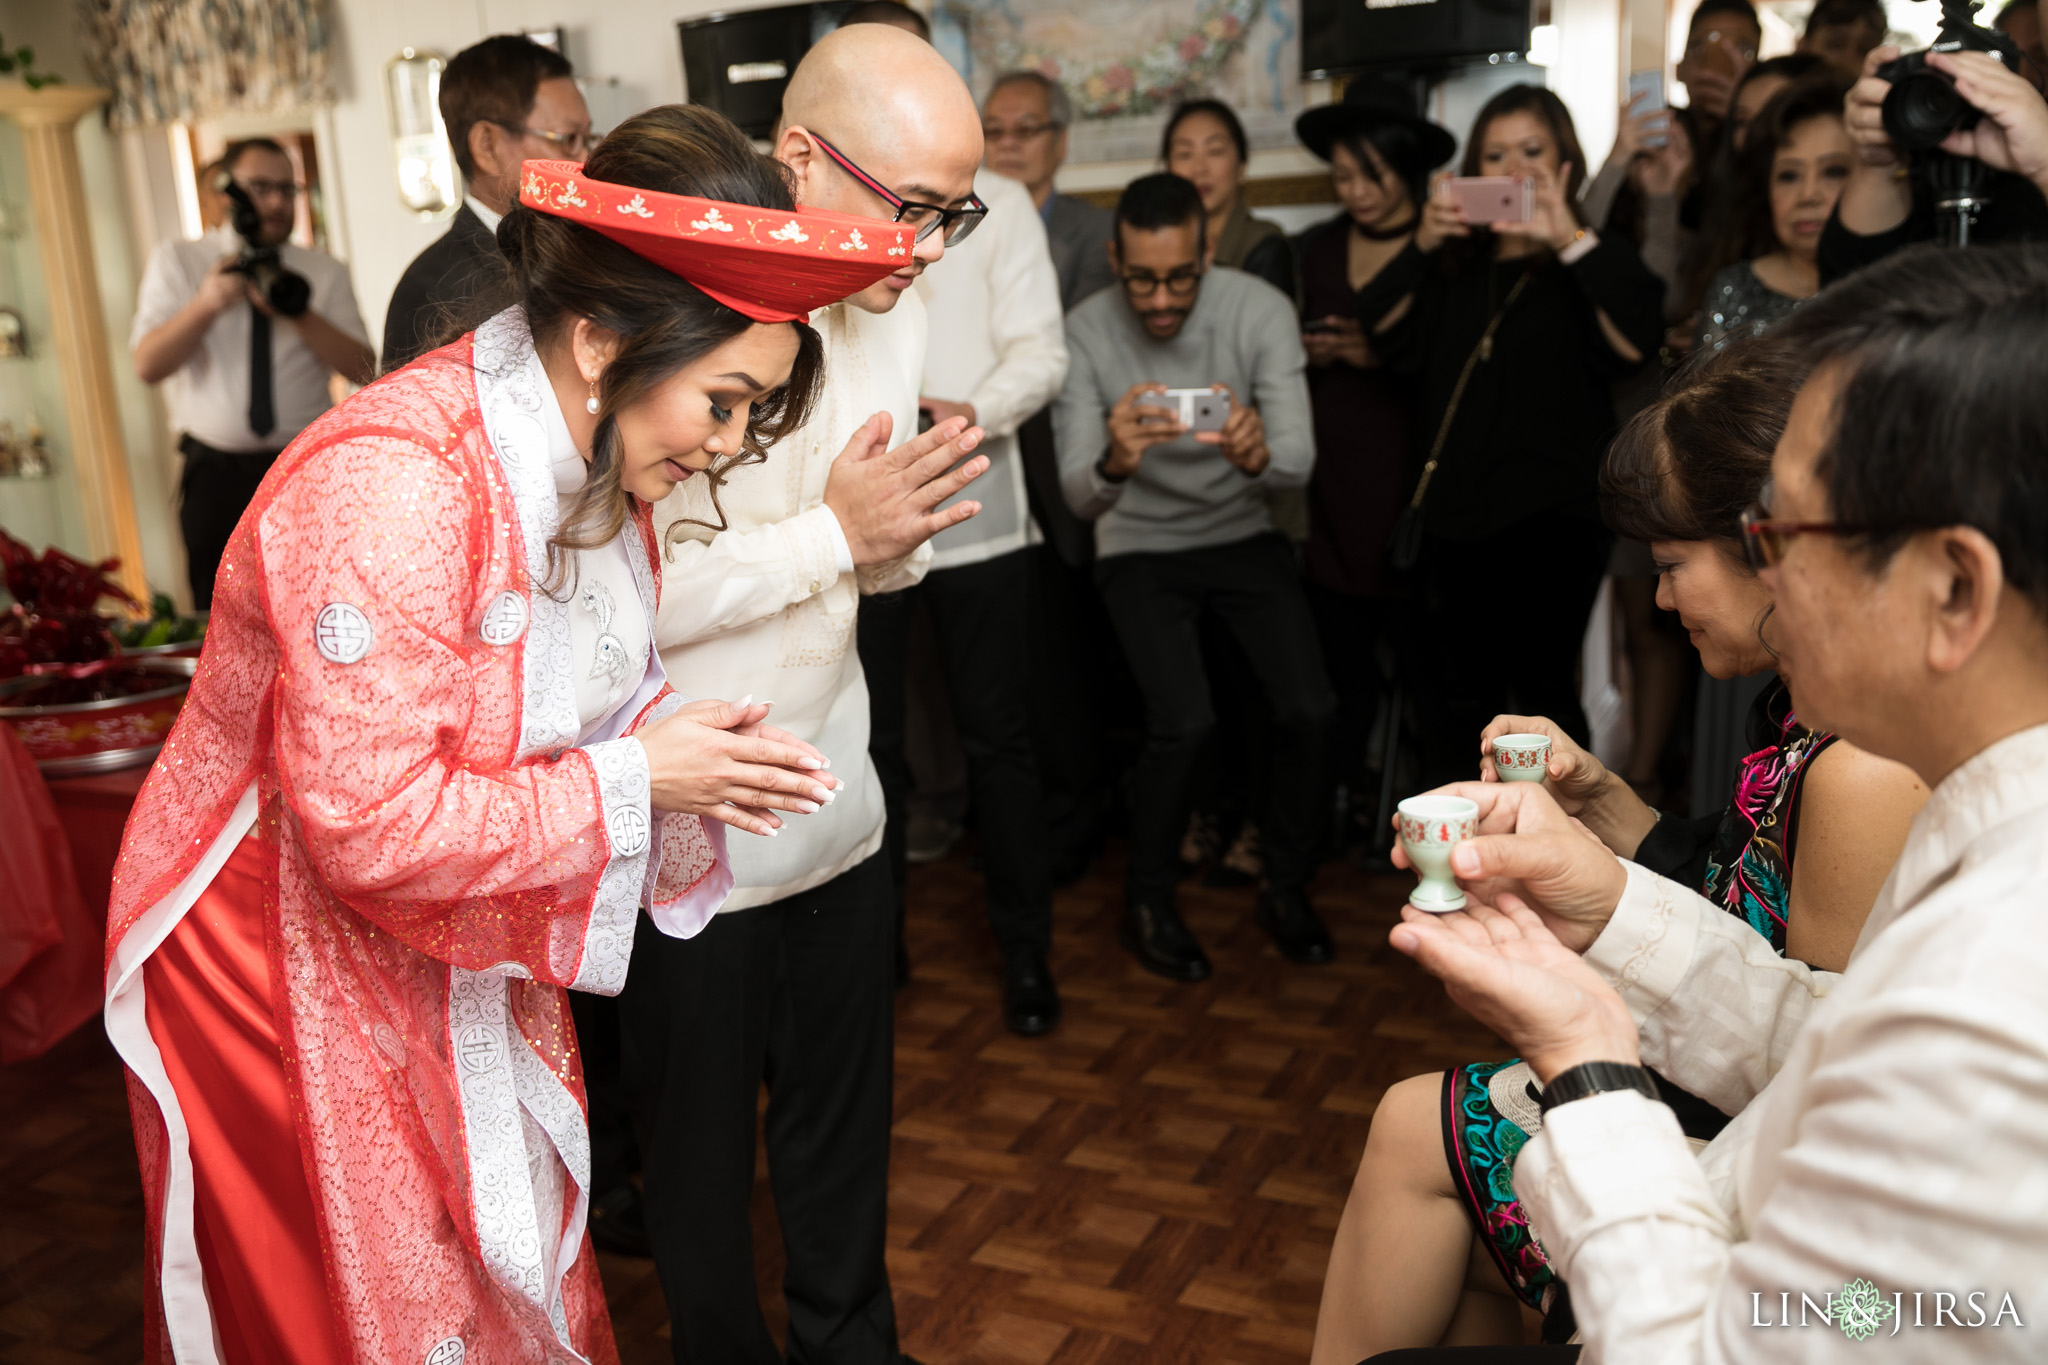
x=892, y=105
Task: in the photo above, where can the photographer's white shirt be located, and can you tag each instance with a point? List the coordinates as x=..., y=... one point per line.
x=208, y=396
x=1893, y=1124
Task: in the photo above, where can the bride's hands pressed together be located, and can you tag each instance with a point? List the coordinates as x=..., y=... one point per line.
x=719, y=759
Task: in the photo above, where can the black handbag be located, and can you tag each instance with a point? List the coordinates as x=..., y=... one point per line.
x=1404, y=546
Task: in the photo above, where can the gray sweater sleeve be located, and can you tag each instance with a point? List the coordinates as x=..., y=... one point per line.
x=1081, y=426
x=1280, y=392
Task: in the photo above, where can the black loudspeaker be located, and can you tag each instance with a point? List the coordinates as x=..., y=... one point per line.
x=739, y=63
x=1343, y=37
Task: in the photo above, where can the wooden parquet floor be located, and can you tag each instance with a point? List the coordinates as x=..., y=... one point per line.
x=1156, y=1181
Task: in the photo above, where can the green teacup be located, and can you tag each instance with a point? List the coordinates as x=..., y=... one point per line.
x=1431, y=826
x=1521, y=758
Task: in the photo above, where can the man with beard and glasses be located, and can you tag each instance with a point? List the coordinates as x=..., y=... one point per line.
x=1181, y=530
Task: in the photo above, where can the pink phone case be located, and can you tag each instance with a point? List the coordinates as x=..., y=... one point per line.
x=1491, y=198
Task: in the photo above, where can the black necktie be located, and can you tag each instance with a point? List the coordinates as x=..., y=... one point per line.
x=262, y=413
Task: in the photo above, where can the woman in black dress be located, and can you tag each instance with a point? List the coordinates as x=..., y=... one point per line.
x=1513, y=334
x=1380, y=153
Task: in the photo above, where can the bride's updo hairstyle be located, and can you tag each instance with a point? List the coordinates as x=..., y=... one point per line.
x=562, y=271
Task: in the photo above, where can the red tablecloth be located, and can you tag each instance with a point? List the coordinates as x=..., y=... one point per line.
x=56, y=869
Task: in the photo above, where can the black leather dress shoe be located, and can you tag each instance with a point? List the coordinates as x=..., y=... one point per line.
x=1031, y=1003
x=1162, y=943
x=618, y=1222
x=1297, y=931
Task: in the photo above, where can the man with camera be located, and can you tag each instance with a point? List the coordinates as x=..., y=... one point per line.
x=243, y=329
x=1185, y=404
x=1930, y=129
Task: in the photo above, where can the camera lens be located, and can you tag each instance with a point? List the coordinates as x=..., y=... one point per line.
x=1922, y=109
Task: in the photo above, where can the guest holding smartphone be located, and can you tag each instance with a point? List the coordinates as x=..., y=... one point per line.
x=1513, y=333
x=1380, y=153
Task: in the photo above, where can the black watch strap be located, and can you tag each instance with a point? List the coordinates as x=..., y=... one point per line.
x=1595, y=1078
x=1102, y=469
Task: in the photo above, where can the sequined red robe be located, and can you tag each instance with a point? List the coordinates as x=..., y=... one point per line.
x=386, y=701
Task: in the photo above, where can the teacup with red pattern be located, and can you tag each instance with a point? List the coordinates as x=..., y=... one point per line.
x=1431, y=826
x=1521, y=758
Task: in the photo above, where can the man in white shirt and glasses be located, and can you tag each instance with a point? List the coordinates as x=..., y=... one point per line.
x=1885, y=1163
x=243, y=332
x=505, y=100
x=794, y=983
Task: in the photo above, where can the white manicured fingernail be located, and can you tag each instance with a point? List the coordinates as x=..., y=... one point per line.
x=744, y=702
x=810, y=763
x=822, y=794
x=774, y=830
x=808, y=807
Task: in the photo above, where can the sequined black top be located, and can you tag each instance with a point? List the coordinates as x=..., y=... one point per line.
x=1738, y=304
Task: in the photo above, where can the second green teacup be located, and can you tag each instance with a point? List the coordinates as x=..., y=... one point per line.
x=1521, y=758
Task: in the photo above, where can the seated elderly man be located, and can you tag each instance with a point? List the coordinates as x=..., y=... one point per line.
x=1881, y=1178
x=1181, y=530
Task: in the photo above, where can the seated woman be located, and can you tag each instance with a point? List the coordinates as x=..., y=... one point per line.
x=1799, y=853
x=1791, y=170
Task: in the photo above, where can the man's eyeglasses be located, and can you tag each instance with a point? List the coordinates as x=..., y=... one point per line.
x=576, y=145
x=1179, y=283
x=1767, y=539
x=1016, y=132
x=924, y=219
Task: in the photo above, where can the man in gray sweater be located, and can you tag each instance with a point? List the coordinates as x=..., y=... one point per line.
x=1181, y=530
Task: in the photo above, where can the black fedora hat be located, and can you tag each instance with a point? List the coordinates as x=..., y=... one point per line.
x=1371, y=103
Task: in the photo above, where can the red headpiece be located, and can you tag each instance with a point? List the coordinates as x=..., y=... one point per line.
x=773, y=265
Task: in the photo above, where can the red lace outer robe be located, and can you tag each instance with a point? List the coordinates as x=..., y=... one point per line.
x=388, y=695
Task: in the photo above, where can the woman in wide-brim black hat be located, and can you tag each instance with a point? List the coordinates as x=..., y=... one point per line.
x=1381, y=154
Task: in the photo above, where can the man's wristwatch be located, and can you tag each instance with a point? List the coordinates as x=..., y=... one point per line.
x=1595, y=1078
x=1102, y=469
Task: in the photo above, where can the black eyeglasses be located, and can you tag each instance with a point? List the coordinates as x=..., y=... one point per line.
x=923, y=219
x=575, y=145
x=1179, y=283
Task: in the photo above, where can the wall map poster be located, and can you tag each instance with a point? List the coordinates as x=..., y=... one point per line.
x=1126, y=63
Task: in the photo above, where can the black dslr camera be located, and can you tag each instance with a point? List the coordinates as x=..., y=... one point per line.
x=287, y=292
x=1923, y=107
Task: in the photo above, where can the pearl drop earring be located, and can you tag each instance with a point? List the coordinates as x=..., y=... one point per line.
x=590, y=403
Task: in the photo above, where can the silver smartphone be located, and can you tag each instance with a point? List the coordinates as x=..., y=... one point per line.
x=1649, y=86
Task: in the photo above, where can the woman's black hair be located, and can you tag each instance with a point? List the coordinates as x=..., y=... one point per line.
x=1939, y=419
x=1400, y=149
x=1686, y=466
x=1216, y=109
x=560, y=272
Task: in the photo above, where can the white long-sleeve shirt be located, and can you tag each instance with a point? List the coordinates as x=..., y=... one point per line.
x=1896, y=1128
x=998, y=341
x=767, y=607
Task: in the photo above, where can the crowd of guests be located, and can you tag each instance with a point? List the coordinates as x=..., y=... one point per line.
x=1249, y=515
